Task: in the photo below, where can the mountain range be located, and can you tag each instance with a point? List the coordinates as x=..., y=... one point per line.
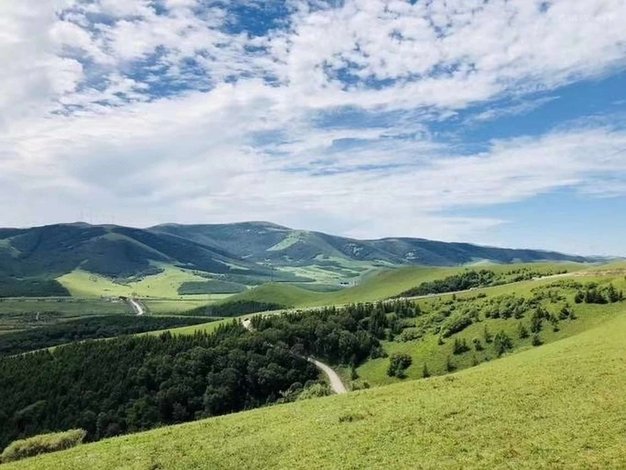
x=258, y=249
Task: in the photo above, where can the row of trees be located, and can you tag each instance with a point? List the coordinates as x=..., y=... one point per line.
x=592, y=293
x=471, y=279
x=87, y=328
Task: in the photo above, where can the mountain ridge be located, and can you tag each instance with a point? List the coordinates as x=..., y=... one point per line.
x=256, y=250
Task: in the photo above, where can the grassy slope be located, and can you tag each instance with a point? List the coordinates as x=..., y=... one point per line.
x=162, y=285
x=17, y=314
x=428, y=352
x=377, y=286
x=560, y=405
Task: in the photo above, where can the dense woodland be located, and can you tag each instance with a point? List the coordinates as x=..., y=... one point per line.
x=235, y=308
x=31, y=287
x=131, y=383
x=88, y=328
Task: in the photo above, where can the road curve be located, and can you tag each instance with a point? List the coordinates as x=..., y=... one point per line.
x=137, y=307
x=336, y=385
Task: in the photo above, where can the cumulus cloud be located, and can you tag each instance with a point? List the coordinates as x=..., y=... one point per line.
x=162, y=111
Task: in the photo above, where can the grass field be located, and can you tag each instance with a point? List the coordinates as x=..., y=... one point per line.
x=18, y=314
x=162, y=285
x=561, y=405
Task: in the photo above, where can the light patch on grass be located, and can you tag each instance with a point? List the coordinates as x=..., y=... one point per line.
x=162, y=285
x=291, y=239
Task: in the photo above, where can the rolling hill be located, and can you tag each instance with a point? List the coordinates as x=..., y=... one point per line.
x=209, y=256
x=562, y=405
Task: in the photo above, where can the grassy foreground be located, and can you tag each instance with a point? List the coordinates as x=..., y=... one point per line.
x=562, y=405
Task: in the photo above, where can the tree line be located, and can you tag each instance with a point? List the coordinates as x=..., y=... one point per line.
x=472, y=279
x=88, y=328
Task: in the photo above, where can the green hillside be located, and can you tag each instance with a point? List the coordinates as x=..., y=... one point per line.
x=382, y=284
x=562, y=405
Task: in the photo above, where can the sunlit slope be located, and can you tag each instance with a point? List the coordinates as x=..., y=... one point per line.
x=378, y=286
x=562, y=405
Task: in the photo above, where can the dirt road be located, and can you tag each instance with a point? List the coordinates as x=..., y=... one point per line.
x=334, y=380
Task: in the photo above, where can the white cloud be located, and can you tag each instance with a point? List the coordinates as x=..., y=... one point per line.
x=121, y=147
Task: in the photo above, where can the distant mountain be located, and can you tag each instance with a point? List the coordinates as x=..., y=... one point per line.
x=259, y=249
x=267, y=242
x=108, y=250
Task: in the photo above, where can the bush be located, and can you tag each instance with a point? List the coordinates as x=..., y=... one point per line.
x=460, y=346
x=449, y=364
x=314, y=391
x=455, y=323
x=410, y=334
x=42, y=444
x=502, y=343
x=537, y=340
x=522, y=331
x=398, y=364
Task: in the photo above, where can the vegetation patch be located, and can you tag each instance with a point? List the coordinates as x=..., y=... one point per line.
x=235, y=308
x=31, y=287
x=472, y=279
x=42, y=444
x=132, y=383
x=210, y=287
x=493, y=416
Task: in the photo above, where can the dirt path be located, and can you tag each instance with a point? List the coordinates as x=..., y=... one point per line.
x=137, y=306
x=336, y=384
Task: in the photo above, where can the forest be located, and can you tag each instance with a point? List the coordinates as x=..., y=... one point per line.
x=133, y=383
x=31, y=287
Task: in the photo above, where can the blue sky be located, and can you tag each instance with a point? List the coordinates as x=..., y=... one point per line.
x=497, y=122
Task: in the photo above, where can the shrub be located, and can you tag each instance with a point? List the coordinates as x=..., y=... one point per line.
x=488, y=336
x=398, y=364
x=477, y=344
x=314, y=391
x=42, y=444
x=460, y=346
x=502, y=343
x=449, y=364
x=455, y=323
x=425, y=372
x=522, y=331
x=410, y=334
x=537, y=340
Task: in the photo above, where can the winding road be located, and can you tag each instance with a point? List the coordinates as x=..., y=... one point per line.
x=137, y=307
x=336, y=384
